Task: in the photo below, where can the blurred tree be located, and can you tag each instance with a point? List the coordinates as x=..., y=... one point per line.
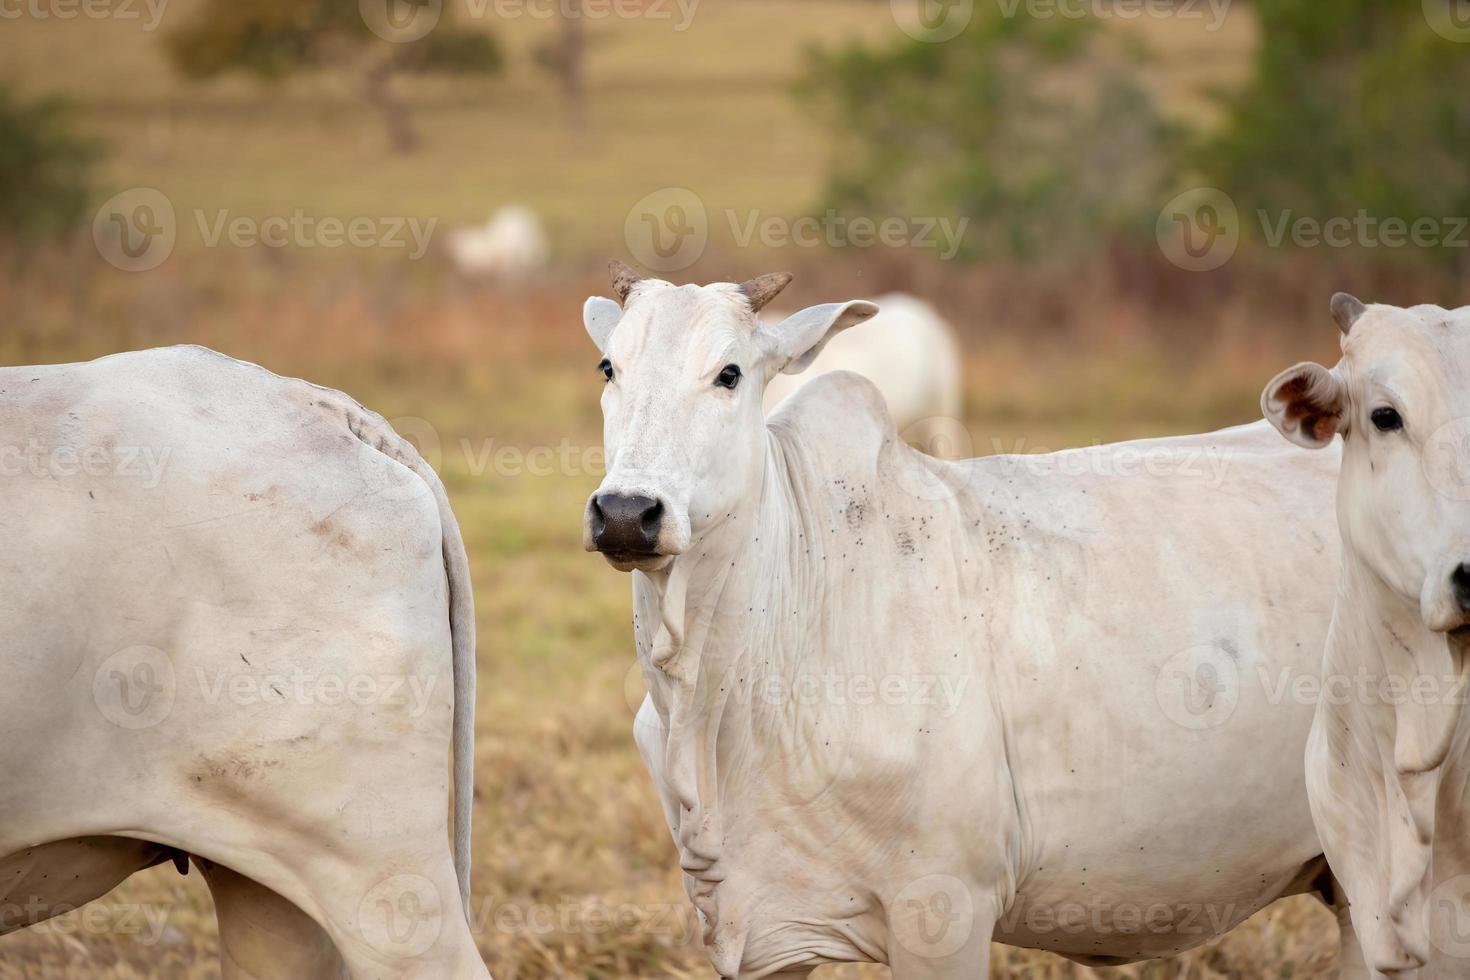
x=566, y=58
x=1033, y=129
x=45, y=168
x=274, y=38
x=1354, y=106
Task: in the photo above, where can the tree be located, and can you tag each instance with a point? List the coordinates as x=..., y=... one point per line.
x=566, y=58
x=1033, y=129
x=271, y=39
x=46, y=169
x=1354, y=106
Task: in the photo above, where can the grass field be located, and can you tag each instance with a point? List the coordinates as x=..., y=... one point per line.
x=565, y=817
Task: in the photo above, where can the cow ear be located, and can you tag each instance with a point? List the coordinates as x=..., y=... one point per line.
x=1306, y=404
x=797, y=340
x=599, y=316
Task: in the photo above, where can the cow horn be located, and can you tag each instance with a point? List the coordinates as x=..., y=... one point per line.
x=762, y=289
x=1345, y=310
x=623, y=279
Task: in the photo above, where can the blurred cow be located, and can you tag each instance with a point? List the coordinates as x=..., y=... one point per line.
x=1388, y=760
x=511, y=245
x=910, y=354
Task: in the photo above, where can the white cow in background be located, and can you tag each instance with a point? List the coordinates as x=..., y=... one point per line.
x=899, y=705
x=910, y=354
x=1389, y=757
x=511, y=245
x=238, y=628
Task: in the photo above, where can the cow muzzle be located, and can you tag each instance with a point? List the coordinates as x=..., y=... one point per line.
x=630, y=530
x=1446, y=602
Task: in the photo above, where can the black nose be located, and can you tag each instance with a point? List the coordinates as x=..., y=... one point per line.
x=626, y=523
x=1461, y=581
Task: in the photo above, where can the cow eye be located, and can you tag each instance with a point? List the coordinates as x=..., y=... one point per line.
x=1387, y=419
x=606, y=368
x=729, y=377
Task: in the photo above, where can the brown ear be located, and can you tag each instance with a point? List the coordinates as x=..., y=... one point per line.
x=762, y=289
x=623, y=279
x=1306, y=403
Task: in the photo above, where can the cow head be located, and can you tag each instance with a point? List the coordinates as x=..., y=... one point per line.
x=1400, y=398
x=683, y=369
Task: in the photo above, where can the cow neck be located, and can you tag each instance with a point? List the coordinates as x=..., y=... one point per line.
x=721, y=607
x=1379, y=636
x=1377, y=631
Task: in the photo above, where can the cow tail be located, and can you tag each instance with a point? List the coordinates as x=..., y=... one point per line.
x=462, y=631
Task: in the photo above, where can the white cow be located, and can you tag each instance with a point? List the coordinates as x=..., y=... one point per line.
x=511, y=245
x=910, y=354
x=1388, y=760
x=898, y=705
x=238, y=628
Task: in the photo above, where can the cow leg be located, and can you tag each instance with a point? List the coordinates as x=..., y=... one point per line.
x=54, y=878
x=261, y=935
x=1352, y=964
x=393, y=918
x=935, y=942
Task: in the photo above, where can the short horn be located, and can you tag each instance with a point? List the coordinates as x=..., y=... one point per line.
x=762, y=289
x=1345, y=310
x=623, y=279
